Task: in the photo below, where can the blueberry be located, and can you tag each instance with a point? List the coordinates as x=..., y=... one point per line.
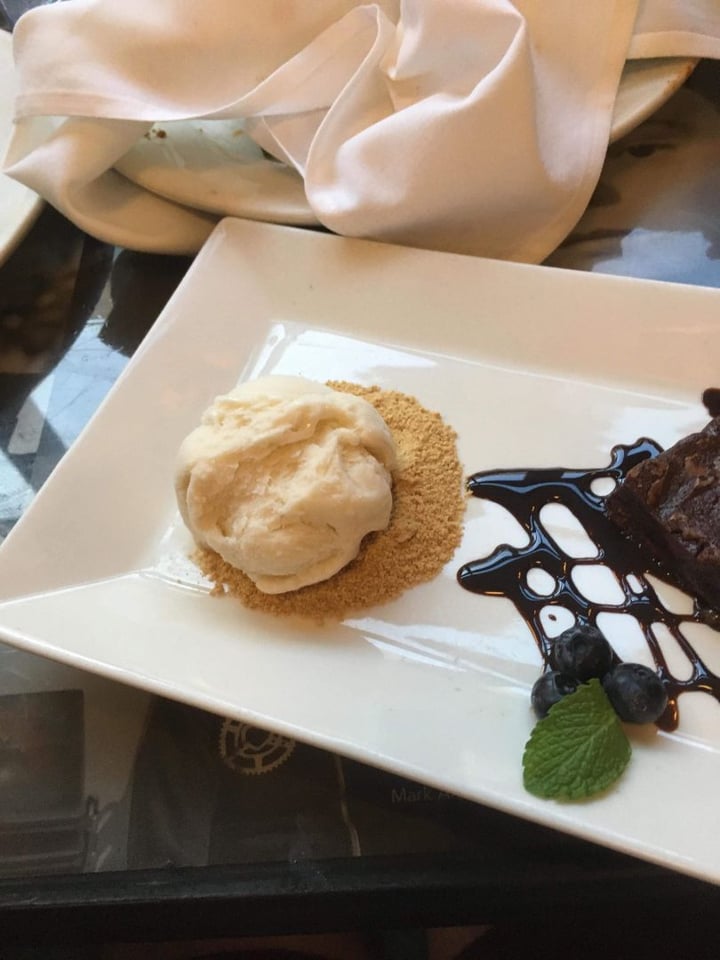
x=548, y=689
x=636, y=692
x=581, y=652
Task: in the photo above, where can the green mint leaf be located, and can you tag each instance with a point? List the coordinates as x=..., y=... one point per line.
x=578, y=750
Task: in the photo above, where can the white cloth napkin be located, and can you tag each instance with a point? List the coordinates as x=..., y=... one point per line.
x=474, y=126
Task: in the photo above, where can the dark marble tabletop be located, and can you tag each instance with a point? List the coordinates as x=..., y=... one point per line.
x=106, y=792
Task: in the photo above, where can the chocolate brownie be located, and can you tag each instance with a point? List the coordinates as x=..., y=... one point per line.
x=670, y=505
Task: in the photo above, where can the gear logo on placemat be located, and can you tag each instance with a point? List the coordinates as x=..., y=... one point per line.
x=251, y=750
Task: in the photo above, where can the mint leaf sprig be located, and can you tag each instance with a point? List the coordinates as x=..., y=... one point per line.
x=578, y=750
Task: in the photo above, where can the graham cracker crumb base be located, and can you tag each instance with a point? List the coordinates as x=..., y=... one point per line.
x=424, y=532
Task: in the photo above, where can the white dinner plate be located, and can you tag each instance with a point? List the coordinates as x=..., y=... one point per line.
x=18, y=206
x=645, y=86
x=532, y=366
x=214, y=166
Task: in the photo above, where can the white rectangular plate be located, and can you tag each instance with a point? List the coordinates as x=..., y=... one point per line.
x=531, y=366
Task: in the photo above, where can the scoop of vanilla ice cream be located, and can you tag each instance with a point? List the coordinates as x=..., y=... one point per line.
x=284, y=477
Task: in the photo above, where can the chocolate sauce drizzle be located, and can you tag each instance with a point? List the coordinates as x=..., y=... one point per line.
x=505, y=572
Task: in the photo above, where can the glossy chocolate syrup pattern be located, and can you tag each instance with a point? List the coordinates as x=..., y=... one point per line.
x=505, y=572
